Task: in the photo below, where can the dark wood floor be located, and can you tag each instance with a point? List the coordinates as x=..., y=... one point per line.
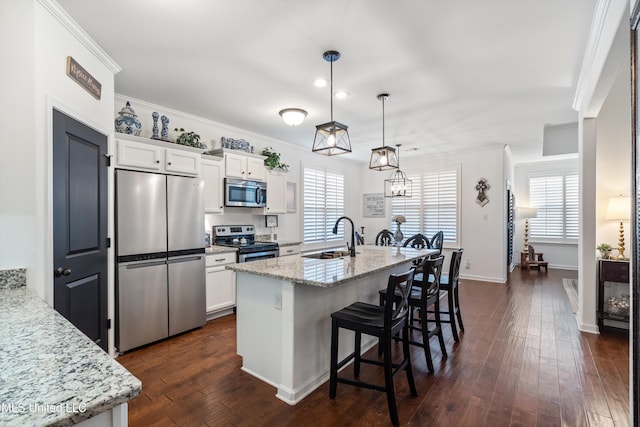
x=521, y=361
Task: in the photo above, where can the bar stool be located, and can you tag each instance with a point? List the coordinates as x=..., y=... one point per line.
x=383, y=323
x=424, y=294
x=449, y=282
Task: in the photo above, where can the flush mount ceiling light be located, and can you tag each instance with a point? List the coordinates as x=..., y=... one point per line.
x=332, y=138
x=383, y=158
x=293, y=116
x=398, y=185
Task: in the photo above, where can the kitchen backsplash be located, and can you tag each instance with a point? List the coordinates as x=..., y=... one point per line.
x=12, y=279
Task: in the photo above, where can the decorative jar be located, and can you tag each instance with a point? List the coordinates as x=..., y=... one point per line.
x=127, y=121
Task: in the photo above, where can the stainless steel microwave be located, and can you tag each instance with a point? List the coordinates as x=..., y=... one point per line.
x=245, y=193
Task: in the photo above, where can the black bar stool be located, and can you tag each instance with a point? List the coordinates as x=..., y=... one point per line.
x=449, y=282
x=425, y=293
x=384, y=323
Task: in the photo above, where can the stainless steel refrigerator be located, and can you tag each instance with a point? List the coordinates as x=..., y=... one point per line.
x=160, y=287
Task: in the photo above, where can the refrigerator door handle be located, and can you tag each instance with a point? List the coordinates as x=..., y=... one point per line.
x=184, y=259
x=144, y=264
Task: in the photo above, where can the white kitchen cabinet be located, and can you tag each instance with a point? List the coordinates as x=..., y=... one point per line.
x=243, y=166
x=148, y=155
x=276, y=193
x=289, y=250
x=220, y=285
x=212, y=171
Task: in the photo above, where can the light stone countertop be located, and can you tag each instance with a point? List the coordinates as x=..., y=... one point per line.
x=51, y=373
x=327, y=273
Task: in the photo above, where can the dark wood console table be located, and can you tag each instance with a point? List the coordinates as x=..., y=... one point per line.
x=610, y=270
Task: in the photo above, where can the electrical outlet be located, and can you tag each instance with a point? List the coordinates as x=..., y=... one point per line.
x=467, y=264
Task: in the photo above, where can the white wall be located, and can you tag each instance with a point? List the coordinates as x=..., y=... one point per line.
x=613, y=154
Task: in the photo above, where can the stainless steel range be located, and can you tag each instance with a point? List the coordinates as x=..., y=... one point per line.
x=242, y=237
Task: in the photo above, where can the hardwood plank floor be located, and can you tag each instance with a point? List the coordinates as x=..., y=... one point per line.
x=521, y=362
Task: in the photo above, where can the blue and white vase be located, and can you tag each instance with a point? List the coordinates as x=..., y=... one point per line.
x=127, y=122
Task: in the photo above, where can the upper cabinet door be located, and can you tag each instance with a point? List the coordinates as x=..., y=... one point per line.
x=139, y=156
x=235, y=165
x=212, y=172
x=182, y=162
x=256, y=169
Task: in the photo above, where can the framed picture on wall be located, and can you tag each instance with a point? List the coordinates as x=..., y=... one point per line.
x=373, y=205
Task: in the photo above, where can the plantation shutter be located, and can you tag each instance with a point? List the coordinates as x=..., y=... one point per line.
x=556, y=199
x=323, y=204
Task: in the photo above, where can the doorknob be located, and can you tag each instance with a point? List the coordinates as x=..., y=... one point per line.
x=62, y=272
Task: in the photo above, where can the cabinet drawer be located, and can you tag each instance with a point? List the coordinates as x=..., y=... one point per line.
x=220, y=259
x=614, y=271
x=289, y=250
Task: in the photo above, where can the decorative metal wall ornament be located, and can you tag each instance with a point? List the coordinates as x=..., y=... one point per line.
x=482, y=186
x=383, y=158
x=331, y=138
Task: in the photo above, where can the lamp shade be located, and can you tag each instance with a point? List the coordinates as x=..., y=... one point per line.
x=526, y=212
x=331, y=139
x=619, y=208
x=383, y=158
x=293, y=116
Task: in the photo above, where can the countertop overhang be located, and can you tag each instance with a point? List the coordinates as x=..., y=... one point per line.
x=327, y=273
x=52, y=374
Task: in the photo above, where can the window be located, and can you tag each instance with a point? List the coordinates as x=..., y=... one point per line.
x=323, y=201
x=556, y=198
x=433, y=207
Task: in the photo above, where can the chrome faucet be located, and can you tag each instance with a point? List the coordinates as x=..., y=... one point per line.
x=352, y=249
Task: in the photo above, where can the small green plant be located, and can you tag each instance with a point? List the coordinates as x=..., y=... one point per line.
x=604, y=247
x=273, y=159
x=190, y=139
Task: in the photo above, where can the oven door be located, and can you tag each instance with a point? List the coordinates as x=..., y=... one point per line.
x=254, y=256
x=244, y=193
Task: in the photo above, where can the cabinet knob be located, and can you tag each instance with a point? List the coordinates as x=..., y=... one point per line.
x=169, y=163
x=242, y=172
x=157, y=161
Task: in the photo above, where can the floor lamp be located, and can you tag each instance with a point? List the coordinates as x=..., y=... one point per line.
x=526, y=213
x=619, y=209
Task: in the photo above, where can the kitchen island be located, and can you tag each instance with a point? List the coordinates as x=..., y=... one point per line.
x=284, y=308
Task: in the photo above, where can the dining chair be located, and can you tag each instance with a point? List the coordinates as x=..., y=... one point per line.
x=384, y=238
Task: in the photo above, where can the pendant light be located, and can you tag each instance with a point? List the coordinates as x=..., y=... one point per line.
x=383, y=158
x=332, y=138
x=398, y=185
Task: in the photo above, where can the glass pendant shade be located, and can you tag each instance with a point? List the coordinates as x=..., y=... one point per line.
x=398, y=185
x=331, y=138
x=383, y=158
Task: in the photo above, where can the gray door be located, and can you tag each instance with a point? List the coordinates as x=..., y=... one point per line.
x=80, y=226
x=187, y=299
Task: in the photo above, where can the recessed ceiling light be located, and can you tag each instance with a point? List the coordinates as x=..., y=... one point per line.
x=320, y=83
x=342, y=94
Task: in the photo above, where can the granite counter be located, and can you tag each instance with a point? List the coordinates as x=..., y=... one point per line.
x=51, y=374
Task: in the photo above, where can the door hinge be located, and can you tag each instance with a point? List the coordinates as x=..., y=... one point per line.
x=108, y=242
x=108, y=323
x=108, y=157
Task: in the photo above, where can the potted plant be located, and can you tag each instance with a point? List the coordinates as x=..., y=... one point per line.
x=605, y=250
x=190, y=139
x=273, y=159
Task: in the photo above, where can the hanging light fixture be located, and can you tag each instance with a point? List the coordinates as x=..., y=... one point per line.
x=332, y=138
x=398, y=185
x=293, y=116
x=383, y=158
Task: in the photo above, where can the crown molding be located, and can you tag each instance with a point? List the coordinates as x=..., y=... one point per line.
x=607, y=14
x=72, y=26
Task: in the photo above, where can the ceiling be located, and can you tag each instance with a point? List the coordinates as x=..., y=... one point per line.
x=460, y=74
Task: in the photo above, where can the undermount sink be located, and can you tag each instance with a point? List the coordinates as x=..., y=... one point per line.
x=327, y=254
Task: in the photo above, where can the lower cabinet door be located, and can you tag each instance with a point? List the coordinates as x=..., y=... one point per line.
x=221, y=289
